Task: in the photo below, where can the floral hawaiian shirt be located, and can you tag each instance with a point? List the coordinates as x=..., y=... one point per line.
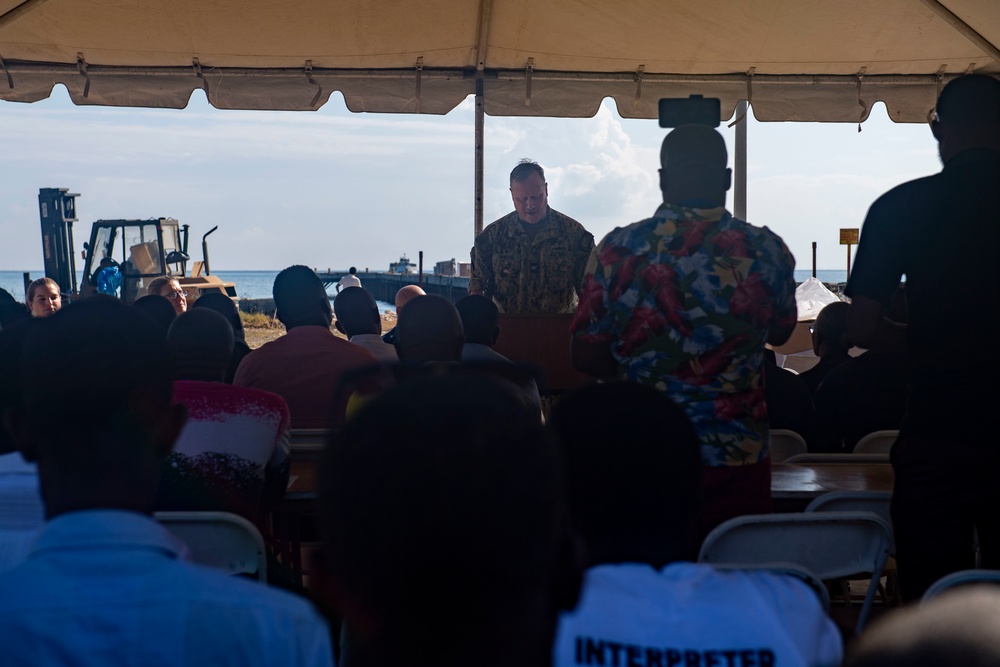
x=686, y=299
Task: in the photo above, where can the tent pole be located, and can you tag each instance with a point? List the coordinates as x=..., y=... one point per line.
x=740, y=165
x=480, y=121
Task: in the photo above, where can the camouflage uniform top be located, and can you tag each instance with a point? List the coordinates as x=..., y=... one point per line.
x=524, y=275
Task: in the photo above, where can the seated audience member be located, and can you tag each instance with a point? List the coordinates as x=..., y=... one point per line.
x=961, y=627
x=429, y=330
x=830, y=344
x=866, y=394
x=789, y=405
x=445, y=540
x=158, y=309
x=105, y=583
x=223, y=305
x=481, y=323
x=169, y=288
x=632, y=469
x=12, y=312
x=359, y=320
x=403, y=297
x=21, y=511
x=232, y=454
x=305, y=365
x=43, y=297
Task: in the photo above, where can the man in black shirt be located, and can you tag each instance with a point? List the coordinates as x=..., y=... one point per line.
x=941, y=232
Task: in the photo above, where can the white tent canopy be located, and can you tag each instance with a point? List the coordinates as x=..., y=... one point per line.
x=802, y=60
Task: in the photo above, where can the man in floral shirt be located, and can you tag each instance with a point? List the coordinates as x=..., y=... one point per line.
x=684, y=302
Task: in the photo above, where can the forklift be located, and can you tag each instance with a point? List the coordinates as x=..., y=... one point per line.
x=141, y=250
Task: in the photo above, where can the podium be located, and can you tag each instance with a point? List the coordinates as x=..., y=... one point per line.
x=542, y=343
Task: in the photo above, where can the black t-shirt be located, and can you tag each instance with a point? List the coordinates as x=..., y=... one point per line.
x=943, y=233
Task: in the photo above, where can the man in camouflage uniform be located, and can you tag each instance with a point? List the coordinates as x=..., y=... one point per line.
x=531, y=261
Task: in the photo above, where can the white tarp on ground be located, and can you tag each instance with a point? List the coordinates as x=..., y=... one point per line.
x=811, y=297
x=805, y=60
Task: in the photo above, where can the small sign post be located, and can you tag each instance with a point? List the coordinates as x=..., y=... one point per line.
x=849, y=237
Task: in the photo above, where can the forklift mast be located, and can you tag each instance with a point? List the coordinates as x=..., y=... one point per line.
x=57, y=209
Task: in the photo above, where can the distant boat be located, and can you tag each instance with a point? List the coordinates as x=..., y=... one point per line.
x=404, y=265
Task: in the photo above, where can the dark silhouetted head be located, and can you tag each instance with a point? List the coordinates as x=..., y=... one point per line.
x=224, y=306
x=829, y=333
x=12, y=312
x=444, y=527
x=968, y=115
x=357, y=312
x=201, y=342
x=301, y=299
x=97, y=411
x=480, y=319
x=429, y=329
x=633, y=472
x=159, y=311
x=353, y=270
x=693, y=167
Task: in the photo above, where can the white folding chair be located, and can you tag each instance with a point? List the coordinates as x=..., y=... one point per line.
x=785, y=444
x=865, y=501
x=876, y=442
x=220, y=540
x=830, y=545
x=961, y=578
x=856, y=501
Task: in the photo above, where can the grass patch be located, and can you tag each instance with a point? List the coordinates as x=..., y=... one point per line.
x=259, y=321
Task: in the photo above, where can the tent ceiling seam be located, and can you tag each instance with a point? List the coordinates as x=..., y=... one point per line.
x=485, y=11
x=964, y=28
x=18, y=11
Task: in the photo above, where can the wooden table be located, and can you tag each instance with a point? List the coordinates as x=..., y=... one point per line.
x=799, y=482
x=794, y=485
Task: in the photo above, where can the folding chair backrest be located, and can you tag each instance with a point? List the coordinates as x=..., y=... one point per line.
x=961, y=578
x=838, y=458
x=856, y=501
x=877, y=442
x=219, y=539
x=785, y=443
x=831, y=545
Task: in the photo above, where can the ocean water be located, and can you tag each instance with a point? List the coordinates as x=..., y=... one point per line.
x=257, y=284
x=249, y=284
x=823, y=275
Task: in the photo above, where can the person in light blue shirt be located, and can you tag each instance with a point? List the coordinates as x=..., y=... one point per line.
x=105, y=583
x=109, y=277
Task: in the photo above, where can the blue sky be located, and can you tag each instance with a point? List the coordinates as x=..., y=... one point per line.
x=331, y=188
